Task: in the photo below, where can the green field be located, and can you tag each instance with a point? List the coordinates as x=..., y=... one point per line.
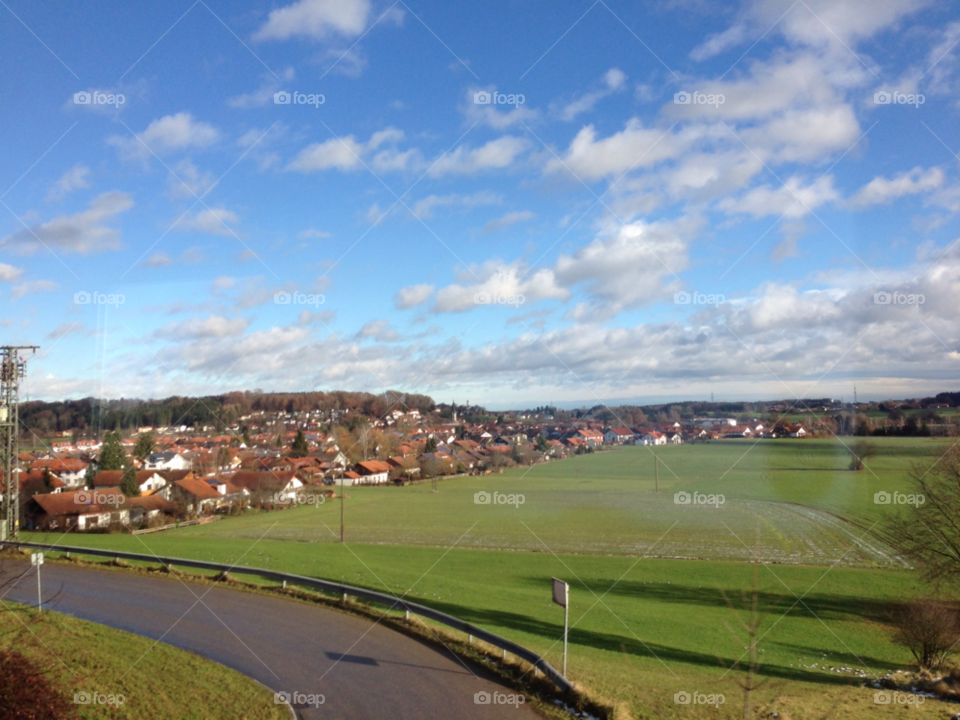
x=645, y=624
x=146, y=680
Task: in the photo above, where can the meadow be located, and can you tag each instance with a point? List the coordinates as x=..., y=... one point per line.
x=658, y=589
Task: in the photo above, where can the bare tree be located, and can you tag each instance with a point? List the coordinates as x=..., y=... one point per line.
x=927, y=628
x=928, y=532
x=860, y=451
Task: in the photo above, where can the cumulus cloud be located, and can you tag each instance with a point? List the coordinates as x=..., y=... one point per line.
x=507, y=220
x=28, y=288
x=317, y=19
x=613, y=80
x=9, y=273
x=84, y=233
x=882, y=190
x=496, y=279
x=379, y=330
x=412, y=296
x=170, y=133
x=792, y=199
x=214, y=326
x=424, y=208
x=75, y=178
x=214, y=221
x=494, y=155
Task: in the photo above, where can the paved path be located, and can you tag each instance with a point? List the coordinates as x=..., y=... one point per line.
x=362, y=670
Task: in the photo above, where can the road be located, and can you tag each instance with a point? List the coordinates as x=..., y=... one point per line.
x=363, y=670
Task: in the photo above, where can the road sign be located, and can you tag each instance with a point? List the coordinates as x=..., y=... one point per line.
x=36, y=559
x=561, y=596
x=561, y=592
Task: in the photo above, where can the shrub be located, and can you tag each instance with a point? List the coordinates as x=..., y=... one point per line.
x=929, y=629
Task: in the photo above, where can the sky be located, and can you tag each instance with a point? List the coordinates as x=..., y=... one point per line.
x=507, y=203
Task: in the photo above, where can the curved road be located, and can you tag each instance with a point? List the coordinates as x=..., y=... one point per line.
x=362, y=670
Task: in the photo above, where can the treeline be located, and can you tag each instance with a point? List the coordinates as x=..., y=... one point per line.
x=90, y=416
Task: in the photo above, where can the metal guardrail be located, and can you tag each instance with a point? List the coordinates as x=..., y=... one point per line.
x=391, y=601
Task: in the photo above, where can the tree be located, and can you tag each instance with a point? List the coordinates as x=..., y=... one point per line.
x=145, y=446
x=929, y=629
x=542, y=444
x=128, y=484
x=89, y=475
x=300, y=447
x=928, y=532
x=112, y=456
x=47, y=479
x=859, y=451
x=431, y=446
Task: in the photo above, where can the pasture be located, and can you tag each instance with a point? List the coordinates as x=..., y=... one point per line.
x=656, y=587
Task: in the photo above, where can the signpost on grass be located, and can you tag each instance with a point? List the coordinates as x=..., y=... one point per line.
x=37, y=560
x=561, y=596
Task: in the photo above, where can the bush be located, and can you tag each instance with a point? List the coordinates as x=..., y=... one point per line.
x=929, y=629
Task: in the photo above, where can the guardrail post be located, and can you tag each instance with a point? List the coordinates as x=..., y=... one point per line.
x=407, y=614
x=469, y=639
x=284, y=584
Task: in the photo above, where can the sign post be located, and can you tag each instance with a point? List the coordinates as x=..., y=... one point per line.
x=37, y=560
x=561, y=596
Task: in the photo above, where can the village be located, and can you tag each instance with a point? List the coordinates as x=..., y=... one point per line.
x=160, y=477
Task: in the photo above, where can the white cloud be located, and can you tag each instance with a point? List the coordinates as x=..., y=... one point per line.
x=168, y=134
x=496, y=116
x=215, y=221
x=311, y=233
x=28, y=288
x=496, y=154
x=316, y=19
x=73, y=179
x=379, y=330
x=424, y=208
x=158, y=260
x=792, y=199
x=263, y=95
x=214, y=326
x=495, y=278
x=881, y=190
x=9, y=273
x=82, y=233
x=345, y=153
x=613, y=80
x=412, y=296
x=511, y=218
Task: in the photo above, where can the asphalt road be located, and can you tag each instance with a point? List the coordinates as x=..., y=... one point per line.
x=363, y=670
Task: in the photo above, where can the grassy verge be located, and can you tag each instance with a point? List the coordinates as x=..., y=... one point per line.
x=156, y=681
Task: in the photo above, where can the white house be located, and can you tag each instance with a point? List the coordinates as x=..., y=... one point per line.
x=651, y=438
x=618, y=436
x=168, y=460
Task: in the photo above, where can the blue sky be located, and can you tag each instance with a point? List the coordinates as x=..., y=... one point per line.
x=507, y=254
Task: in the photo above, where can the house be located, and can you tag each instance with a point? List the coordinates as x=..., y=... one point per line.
x=407, y=466
x=80, y=510
x=195, y=494
x=651, y=437
x=281, y=484
x=618, y=436
x=796, y=431
x=590, y=437
x=372, y=472
x=70, y=470
x=675, y=438
x=149, y=481
x=168, y=460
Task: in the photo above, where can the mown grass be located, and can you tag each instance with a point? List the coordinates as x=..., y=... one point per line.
x=643, y=627
x=157, y=681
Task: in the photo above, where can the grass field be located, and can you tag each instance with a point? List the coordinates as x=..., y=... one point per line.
x=645, y=624
x=156, y=681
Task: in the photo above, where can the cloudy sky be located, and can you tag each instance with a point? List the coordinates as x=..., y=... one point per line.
x=511, y=203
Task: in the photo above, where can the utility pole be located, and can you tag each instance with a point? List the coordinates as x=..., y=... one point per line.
x=341, y=505
x=656, y=470
x=12, y=370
